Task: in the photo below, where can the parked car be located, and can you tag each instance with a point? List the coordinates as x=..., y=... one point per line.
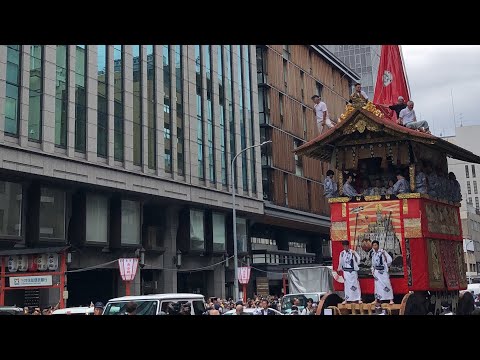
x=158, y=304
x=10, y=310
x=79, y=310
x=250, y=311
x=287, y=300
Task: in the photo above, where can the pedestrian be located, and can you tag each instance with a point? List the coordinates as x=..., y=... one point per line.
x=381, y=260
x=309, y=309
x=265, y=308
x=358, y=98
x=348, y=263
x=98, y=308
x=321, y=113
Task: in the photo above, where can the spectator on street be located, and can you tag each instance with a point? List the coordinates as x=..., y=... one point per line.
x=98, y=309
x=131, y=308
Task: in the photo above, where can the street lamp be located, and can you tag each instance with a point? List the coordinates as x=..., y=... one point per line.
x=235, y=250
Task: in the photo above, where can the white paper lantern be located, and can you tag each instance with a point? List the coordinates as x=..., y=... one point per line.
x=22, y=263
x=52, y=262
x=12, y=263
x=42, y=262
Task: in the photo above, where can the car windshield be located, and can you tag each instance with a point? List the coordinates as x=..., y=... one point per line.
x=287, y=301
x=144, y=307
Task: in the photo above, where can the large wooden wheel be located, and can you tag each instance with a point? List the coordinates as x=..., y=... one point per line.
x=329, y=299
x=414, y=304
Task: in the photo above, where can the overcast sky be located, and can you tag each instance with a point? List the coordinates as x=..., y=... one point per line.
x=433, y=71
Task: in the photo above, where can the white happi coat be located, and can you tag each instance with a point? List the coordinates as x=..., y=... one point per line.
x=381, y=260
x=348, y=262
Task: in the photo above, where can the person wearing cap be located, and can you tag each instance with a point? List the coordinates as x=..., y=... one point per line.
x=98, y=309
x=399, y=106
x=348, y=263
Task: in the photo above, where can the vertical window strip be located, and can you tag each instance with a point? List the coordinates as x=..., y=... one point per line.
x=80, y=98
x=241, y=101
x=35, y=93
x=61, y=96
x=221, y=113
x=118, y=102
x=137, y=105
x=179, y=108
x=167, y=135
x=13, y=86
x=102, y=98
x=199, y=91
x=210, y=128
x=249, y=112
x=151, y=110
x=231, y=107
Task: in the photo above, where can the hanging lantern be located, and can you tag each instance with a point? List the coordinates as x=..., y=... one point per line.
x=32, y=263
x=52, y=262
x=42, y=262
x=22, y=263
x=12, y=263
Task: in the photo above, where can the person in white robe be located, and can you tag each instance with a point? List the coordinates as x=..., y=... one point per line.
x=348, y=263
x=381, y=260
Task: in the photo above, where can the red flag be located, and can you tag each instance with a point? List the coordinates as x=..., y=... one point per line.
x=391, y=78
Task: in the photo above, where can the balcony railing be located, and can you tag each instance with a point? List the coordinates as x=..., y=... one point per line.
x=282, y=258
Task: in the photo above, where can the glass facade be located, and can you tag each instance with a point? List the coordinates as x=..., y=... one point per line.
x=230, y=104
x=210, y=128
x=118, y=125
x=52, y=213
x=102, y=98
x=137, y=105
x=221, y=114
x=13, y=84
x=363, y=59
x=197, y=230
x=80, y=98
x=249, y=116
x=179, y=108
x=35, y=93
x=241, y=102
x=167, y=119
x=61, y=96
x=97, y=210
x=199, y=91
x=11, y=200
x=131, y=222
x=219, y=232
x=151, y=110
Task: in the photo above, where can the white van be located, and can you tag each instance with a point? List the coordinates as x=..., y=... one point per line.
x=80, y=310
x=157, y=304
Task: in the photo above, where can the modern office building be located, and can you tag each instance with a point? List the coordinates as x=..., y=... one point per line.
x=125, y=151
x=364, y=59
x=295, y=230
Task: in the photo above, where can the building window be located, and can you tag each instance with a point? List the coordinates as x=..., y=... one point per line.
x=137, y=105
x=475, y=189
x=52, y=213
x=11, y=201
x=230, y=106
x=470, y=202
x=80, y=98
x=180, y=118
x=118, y=124
x=285, y=72
x=241, y=102
x=151, y=109
x=131, y=222
x=285, y=188
x=35, y=93
x=469, y=188
x=102, y=98
x=302, y=84
x=12, y=96
x=219, y=232
x=298, y=159
x=476, y=203
x=61, y=96
x=199, y=92
x=222, y=114
x=304, y=119
x=210, y=128
x=467, y=175
x=286, y=52
x=261, y=65
x=250, y=120
x=241, y=235
x=167, y=102
x=197, y=232
x=473, y=171
x=97, y=219
x=319, y=88
x=280, y=100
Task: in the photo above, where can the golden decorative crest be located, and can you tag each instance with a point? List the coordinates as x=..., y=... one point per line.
x=361, y=126
x=373, y=109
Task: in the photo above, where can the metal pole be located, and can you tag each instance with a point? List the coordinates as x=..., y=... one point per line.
x=234, y=220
